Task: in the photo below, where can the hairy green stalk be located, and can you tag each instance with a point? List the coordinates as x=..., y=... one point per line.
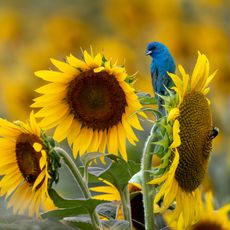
x=147, y=189
x=80, y=181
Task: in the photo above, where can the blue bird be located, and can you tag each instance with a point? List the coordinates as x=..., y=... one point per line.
x=162, y=62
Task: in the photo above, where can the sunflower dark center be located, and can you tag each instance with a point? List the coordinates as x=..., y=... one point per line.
x=196, y=140
x=96, y=99
x=208, y=225
x=27, y=157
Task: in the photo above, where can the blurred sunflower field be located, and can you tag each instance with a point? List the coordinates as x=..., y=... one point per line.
x=32, y=32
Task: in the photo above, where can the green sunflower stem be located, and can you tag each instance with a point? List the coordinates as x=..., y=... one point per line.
x=80, y=181
x=147, y=189
x=126, y=208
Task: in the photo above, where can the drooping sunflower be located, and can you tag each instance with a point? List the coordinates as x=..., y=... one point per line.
x=24, y=166
x=185, y=145
x=209, y=218
x=91, y=102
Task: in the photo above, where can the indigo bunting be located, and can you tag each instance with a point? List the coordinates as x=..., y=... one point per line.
x=162, y=62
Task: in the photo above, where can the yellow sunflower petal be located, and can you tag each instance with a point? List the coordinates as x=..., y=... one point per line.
x=43, y=160
x=176, y=136
x=88, y=58
x=103, y=142
x=52, y=76
x=173, y=114
x=50, y=121
x=51, y=88
x=134, y=121
x=62, y=130
x=113, y=140
x=129, y=132
x=38, y=180
x=73, y=61
x=94, y=144
x=98, y=69
x=98, y=59
x=74, y=131
x=64, y=67
x=122, y=141
x=52, y=111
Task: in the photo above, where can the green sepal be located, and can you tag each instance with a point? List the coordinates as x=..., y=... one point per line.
x=146, y=99
x=164, y=142
x=54, y=160
x=130, y=79
x=104, y=60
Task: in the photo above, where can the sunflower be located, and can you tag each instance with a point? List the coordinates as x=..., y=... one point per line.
x=24, y=166
x=91, y=102
x=185, y=145
x=209, y=219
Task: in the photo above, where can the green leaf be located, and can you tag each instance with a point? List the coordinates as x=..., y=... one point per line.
x=134, y=167
x=59, y=214
x=82, y=222
x=108, y=210
x=60, y=202
x=116, y=225
x=97, y=171
x=18, y=222
x=118, y=173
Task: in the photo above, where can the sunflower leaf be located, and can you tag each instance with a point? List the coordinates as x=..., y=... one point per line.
x=116, y=224
x=108, y=210
x=119, y=173
x=18, y=222
x=97, y=171
x=59, y=214
x=60, y=202
x=81, y=222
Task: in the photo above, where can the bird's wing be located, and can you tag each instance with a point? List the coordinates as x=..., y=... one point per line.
x=154, y=74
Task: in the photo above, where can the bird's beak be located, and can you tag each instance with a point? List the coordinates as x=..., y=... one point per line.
x=148, y=52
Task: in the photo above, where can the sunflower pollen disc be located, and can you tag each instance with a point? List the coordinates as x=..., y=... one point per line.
x=195, y=133
x=208, y=225
x=27, y=157
x=96, y=99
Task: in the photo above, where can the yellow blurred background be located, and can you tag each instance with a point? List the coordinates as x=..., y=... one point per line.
x=31, y=32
